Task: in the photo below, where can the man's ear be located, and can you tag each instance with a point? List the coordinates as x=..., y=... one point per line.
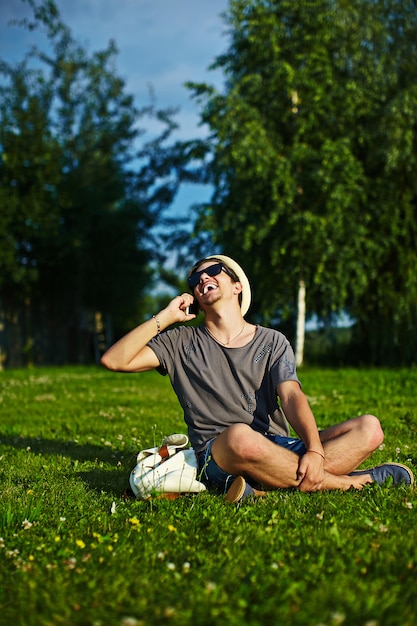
x=237, y=287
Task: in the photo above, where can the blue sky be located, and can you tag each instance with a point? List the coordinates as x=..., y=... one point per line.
x=162, y=43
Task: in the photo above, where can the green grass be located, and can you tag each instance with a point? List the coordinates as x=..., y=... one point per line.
x=73, y=552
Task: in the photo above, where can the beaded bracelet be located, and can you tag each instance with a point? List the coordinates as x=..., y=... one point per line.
x=158, y=325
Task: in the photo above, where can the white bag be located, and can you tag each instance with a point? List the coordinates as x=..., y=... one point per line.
x=170, y=469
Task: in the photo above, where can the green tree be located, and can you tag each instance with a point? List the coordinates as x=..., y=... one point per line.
x=79, y=198
x=312, y=153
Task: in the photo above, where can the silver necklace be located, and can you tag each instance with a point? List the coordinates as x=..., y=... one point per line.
x=231, y=340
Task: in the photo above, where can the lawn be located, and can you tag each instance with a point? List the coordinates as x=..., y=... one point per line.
x=74, y=552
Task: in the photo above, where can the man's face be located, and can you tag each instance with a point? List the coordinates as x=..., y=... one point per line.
x=213, y=282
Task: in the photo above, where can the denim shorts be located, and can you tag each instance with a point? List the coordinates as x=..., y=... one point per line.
x=214, y=477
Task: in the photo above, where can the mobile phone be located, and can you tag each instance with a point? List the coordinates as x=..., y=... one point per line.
x=193, y=309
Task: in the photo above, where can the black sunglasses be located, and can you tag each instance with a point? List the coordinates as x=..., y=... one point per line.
x=211, y=270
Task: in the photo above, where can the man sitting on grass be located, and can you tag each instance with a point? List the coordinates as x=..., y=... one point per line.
x=228, y=375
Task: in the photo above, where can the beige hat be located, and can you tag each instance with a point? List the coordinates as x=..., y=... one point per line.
x=236, y=268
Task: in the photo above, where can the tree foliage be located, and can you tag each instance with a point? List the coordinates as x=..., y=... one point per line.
x=78, y=197
x=312, y=154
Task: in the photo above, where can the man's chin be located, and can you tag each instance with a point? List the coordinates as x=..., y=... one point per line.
x=209, y=300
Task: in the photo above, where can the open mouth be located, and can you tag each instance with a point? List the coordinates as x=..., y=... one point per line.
x=208, y=287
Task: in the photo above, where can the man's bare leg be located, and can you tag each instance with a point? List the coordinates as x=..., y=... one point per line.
x=350, y=443
x=241, y=451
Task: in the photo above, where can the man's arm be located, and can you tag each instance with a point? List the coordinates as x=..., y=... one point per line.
x=131, y=353
x=299, y=414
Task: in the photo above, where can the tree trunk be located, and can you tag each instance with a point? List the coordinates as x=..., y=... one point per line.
x=301, y=322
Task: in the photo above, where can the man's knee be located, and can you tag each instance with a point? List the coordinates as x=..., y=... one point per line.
x=372, y=429
x=242, y=442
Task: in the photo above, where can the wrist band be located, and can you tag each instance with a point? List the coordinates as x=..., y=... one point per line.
x=319, y=453
x=158, y=325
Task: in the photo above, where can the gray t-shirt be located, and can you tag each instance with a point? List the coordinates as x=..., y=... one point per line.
x=219, y=386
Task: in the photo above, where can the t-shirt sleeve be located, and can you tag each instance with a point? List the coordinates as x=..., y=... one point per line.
x=164, y=346
x=283, y=366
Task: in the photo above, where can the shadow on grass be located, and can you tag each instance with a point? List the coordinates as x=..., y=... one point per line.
x=113, y=481
x=71, y=449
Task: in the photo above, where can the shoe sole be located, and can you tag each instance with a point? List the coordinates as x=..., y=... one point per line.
x=236, y=490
